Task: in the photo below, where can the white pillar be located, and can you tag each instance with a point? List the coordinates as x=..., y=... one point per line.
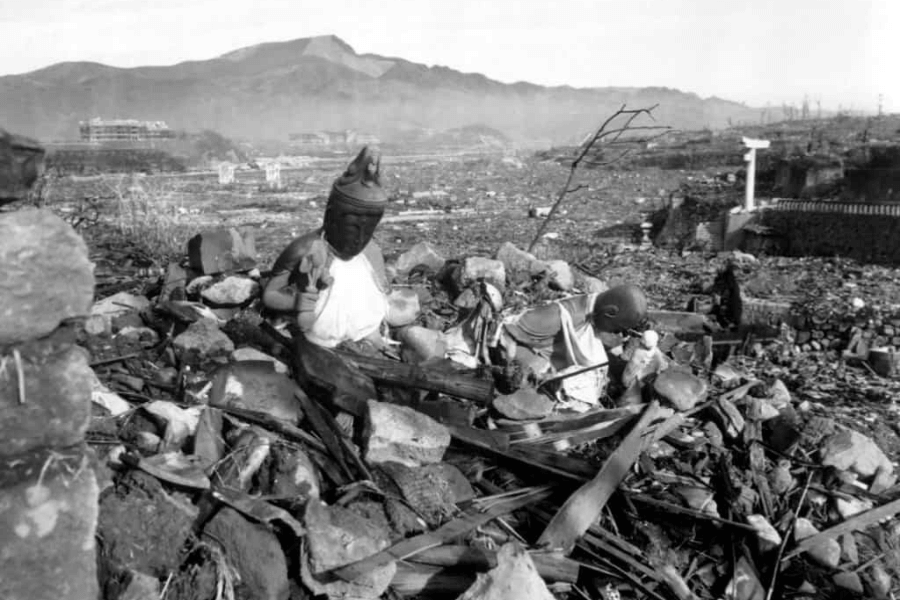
x=750, y=157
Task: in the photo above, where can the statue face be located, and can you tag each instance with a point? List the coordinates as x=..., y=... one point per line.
x=348, y=232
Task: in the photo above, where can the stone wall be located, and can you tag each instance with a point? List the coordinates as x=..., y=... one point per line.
x=866, y=232
x=48, y=490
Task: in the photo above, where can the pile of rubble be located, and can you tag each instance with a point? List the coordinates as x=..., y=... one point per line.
x=235, y=463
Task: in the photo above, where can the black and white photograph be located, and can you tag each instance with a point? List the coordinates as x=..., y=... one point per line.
x=424, y=300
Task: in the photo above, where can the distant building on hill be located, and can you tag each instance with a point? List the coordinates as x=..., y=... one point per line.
x=119, y=130
x=348, y=137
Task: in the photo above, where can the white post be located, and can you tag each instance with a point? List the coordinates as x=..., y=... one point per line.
x=750, y=157
x=226, y=174
x=273, y=174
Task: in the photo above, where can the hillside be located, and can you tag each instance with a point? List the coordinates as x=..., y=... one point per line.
x=269, y=90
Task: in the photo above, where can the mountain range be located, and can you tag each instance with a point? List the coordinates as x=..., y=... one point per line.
x=267, y=91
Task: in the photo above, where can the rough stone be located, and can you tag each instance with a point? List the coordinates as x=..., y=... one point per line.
x=254, y=552
x=850, y=581
x=56, y=407
x=730, y=419
x=403, y=307
x=48, y=515
x=514, y=578
x=422, y=253
x=21, y=163
x=680, y=388
x=104, y=311
x=768, y=537
x=143, y=528
x=827, y=553
x=524, y=403
x=295, y=475
x=849, y=450
x=252, y=354
x=255, y=385
x=47, y=276
x=221, y=250
x=337, y=536
x=589, y=284
x=779, y=394
x=479, y=267
x=174, y=283
x=400, y=434
x=178, y=423
x=202, y=340
x=231, y=291
x=433, y=490
x=519, y=261
x=849, y=550
x=140, y=586
x=878, y=582
x=561, y=275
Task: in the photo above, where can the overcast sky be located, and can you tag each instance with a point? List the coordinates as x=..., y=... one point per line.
x=840, y=52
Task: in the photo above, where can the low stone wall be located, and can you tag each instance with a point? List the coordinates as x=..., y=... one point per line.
x=866, y=232
x=48, y=490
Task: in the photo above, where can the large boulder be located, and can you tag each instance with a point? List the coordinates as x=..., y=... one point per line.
x=46, y=275
x=21, y=163
x=54, y=407
x=48, y=514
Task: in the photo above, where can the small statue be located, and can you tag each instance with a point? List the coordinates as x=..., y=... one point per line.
x=647, y=359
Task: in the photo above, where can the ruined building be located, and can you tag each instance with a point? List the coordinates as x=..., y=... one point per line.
x=123, y=130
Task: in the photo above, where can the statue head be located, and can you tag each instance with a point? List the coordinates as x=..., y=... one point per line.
x=355, y=206
x=619, y=309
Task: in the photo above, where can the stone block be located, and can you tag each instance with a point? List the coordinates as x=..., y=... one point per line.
x=255, y=385
x=336, y=537
x=47, y=276
x=221, y=250
x=849, y=450
x=488, y=269
x=48, y=517
x=21, y=163
x=55, y=409
x=518, y=261
x=231, y=291
x=202, y=340
x=681, y=389
x=401, y=434
x=255, y=554
x=422, y=253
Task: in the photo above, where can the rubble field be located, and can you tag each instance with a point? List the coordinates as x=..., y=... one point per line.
x=236, y=463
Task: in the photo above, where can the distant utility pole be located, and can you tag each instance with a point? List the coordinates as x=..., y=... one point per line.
x=880, y=104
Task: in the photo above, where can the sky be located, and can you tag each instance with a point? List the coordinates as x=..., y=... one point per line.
x=840, y=53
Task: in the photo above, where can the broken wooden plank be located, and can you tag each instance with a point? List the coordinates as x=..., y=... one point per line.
x=854, y=523
x=551, y=566
x=584, y=506
x=475, y=517
x=406, y=375
x=347, y=386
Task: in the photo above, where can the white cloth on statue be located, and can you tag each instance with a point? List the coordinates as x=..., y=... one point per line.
x=352, y=307
x=583, y=349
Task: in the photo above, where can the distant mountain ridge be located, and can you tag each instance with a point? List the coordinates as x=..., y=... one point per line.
x=269, y=90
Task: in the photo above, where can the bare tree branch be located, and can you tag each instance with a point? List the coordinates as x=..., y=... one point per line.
x=601, y=135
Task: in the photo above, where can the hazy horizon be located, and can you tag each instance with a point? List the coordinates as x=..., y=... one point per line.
x=835, y=52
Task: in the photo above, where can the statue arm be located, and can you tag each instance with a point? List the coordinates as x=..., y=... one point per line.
x=281, y=293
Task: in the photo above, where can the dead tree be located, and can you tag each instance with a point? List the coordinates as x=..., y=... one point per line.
x=606, y=135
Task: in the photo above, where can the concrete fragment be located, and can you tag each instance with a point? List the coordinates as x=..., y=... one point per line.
x=202, y=340
x=561, y=275
x=180, y=423
x=849, y=581
x=254, y=552
x=514, y=578
x=878, y=582
x=46, y=275
x=252, y=354
x=432, y=490
x=519, y=261
x=231, y=291
x=217, y=251
x=255, y=385
x=779, y=394
x=488, y=269
x=295, y=475
x=336, y=537
x=849, y=450
x=680, y=388
x=104, y=311
x=143, y=528
x=140, y=586
x=400, y=434
x=729, y=417
x=55, y=408
x=48, y=516
x=849, y=551
x=422, y=253
x=847, y=507
x=524, y=403
x=767, y=536
x=827, y=553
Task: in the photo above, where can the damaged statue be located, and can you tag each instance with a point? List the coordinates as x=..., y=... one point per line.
x=332, y=280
